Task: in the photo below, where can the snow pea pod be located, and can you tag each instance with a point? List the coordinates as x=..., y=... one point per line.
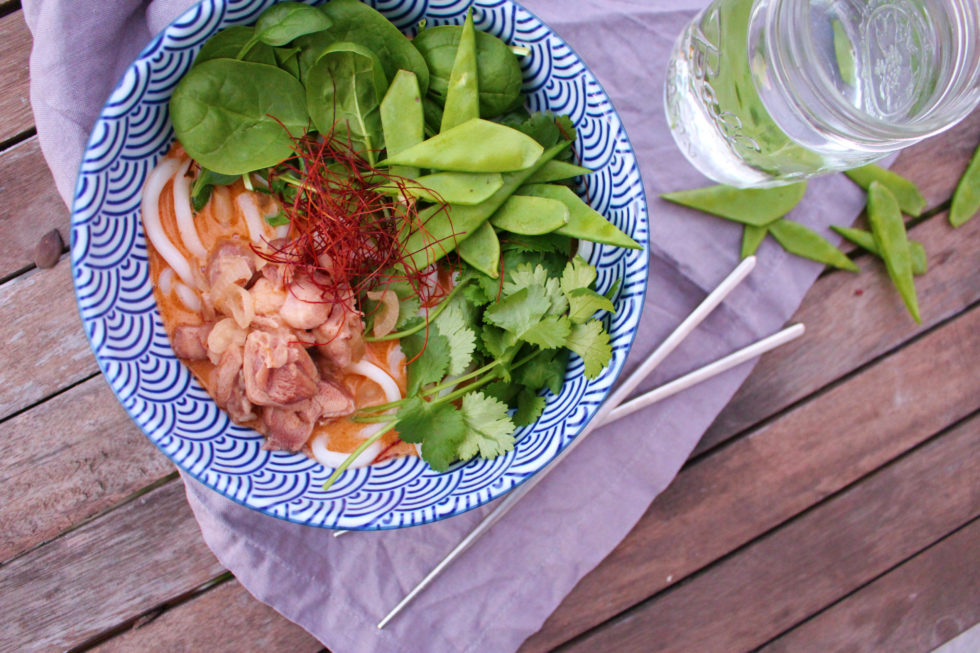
x=583, y=221
x=443, y=227
x=844, y=53
x=482, y=250
x=799, y=240
x=866, y=241
x=465, y=188
x=474, y=146
x=754, y=206
x=752, y=237
x=909, y=198
x=557, y=171
x=889, y=234
x=530, y=216
x=463, y=95
x=401, y=118
x=966, y=199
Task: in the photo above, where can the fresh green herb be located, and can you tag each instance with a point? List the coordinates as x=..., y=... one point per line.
x=205, y=183
x=277, y=220
x=892, y=242
x=802, y=241
x=753, y=206
x=909, y=198
x=966, y=199
x=865, y=240
x=222, y=113
x=286, y=22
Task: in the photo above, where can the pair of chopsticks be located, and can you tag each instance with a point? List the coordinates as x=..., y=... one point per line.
x=616, y=407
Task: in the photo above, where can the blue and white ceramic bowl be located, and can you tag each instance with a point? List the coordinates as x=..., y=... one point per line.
x=122, y=323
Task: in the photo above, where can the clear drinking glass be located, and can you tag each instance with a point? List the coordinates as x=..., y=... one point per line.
x=764, y=92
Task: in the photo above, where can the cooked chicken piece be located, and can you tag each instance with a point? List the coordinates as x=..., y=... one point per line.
x=333, y=400
x=306, y=304
x=229, y=386
x=278, y=371
x=190, y=341
x=268, y=298
x=340, y=338
x=287, y=429
x=231, y=262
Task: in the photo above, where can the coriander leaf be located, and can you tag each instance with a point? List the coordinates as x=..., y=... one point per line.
x=549, y=333
x=519, y=311
x=496, y=341
x=591, y=342
x=529, y=408
x=476, y=293
x=439, y=427
x=452, y=324
x=501, y=391
x=489, y=430
x=545, y=243
x=278, y=219
x=546, y=370
x=430, y=360
x=525, y=276
x=577, y=274
x=584, y=302
x=611, y=293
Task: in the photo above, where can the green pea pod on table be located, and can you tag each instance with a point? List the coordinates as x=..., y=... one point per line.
x=753, y=206
x=557, y=171
x=221, y=111
x=888, y=230
x=402, y=121
x=437, y=236
x=463, y=95
x=844, y=53
x=909, y=198
x=752, y=237
x=966, y=199
x=584, y=222
x=476, y=145
x=802, y=241
x=530, y=216
x=344, y=89
x=481, y=250
x=866, y=241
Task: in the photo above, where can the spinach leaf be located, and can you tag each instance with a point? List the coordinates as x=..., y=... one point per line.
x=222, y=113
x=205, y=182
x=227, y=43
x=344, y=89
x=498, y=71
x=356, y=22
x=285, y=22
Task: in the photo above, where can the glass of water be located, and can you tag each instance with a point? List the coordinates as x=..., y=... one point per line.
x=766, y=92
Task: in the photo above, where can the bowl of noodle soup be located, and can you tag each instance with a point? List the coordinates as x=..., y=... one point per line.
x=116, y=275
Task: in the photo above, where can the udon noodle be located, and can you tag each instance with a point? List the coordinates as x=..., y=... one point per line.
x=265, y=340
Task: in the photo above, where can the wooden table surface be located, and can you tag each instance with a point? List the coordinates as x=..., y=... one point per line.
x=833, y=505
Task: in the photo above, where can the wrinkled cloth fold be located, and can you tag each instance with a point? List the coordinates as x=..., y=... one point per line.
x=505, y=587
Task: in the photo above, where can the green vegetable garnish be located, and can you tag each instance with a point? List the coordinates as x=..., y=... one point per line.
x=892, y=242
x=966, y=199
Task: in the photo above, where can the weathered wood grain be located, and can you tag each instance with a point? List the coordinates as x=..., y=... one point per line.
x=808, y=564
x=851, y=319
x=78, y=456
x=104, y=573
x=918, y=606
x=31, y=205
x=225, y=618
x=44, y=346
x=15, y=50
x=757, y=482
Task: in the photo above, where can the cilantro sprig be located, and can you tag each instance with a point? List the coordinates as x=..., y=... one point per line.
x=485, y=355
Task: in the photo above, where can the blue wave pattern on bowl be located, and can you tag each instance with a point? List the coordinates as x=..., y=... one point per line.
x=122, y=323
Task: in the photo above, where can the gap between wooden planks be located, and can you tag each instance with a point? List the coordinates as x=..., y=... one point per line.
x=792, y=573
x=729, y=497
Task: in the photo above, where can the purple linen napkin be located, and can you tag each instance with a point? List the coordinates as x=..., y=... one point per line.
x=506, y=585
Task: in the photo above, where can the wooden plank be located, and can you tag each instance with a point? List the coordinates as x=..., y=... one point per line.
x=799, y=569
x=757, y=482
x=31, y=205
x=15, y=50
x=226, y=618
x=44, y=346
x=92, y=455
x=918, y=606
x=105, y=573
x=838, y=311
